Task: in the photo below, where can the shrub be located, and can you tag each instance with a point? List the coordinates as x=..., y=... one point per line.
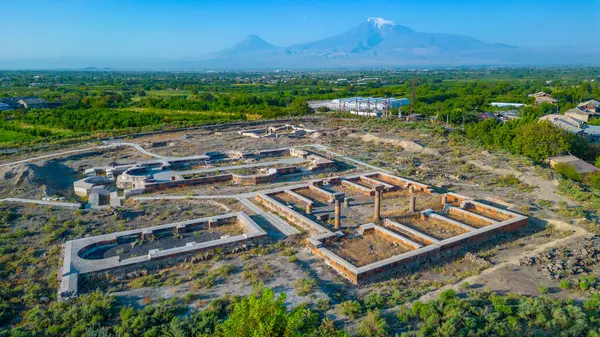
x=190, y=297
x=592, y=179
x=349, y=309
x=508, y=181
x=322, y=304
x=568, y=171
x=224, y=270
x=543, y=203
x=543, y=289
x=591, y=280
x=373, y=325
x=374, y=301
x=565, y=284
x=304, y=286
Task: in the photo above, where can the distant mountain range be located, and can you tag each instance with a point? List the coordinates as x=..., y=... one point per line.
x=375, y=43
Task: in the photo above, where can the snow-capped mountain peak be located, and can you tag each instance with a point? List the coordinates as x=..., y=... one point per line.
x=380, y=22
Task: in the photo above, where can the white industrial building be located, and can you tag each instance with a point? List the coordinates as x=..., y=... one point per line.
x=368, y=106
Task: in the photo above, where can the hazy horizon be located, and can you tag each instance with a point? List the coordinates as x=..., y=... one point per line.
x=185, y=29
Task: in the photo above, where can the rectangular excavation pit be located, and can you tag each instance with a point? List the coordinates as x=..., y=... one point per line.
x=468, y=218
x=487, y=211
x=167, y=239
x=362, y=250
x=436, y=228
x=319, y=199
x=369, y=245
x=291, y=215
x=358, y=187
x=369, y=181
x=323, y=193
x=295, y=203
x=397, y=203
x=399, y=181
x=416, y=236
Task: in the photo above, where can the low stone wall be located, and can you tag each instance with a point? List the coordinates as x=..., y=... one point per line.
x=75, y=264
x=479, y=219
x=435, y=250
x=357, y=187
x=497, y=212
x=402, y=182
x=373, y=182
x=453, y=198
x=291, y=215
x=328, y=196
x=239, y=179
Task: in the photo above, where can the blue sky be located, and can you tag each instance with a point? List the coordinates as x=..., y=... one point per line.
x=185, y=28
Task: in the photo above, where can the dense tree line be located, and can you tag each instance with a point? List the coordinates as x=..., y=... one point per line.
x=529, y=137
x=266, y=315
x=489, y=314
x=106, y=119
x=97, y=314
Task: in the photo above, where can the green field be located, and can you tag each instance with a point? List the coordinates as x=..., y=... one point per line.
x=9, y=136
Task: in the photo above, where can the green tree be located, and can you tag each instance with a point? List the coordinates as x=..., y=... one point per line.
x=539, y=141
x=266, y=316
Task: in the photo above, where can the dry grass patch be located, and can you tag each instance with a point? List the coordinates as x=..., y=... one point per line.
x=466, y=220
x=436, y=228
x=366, y=249
x=488, y=213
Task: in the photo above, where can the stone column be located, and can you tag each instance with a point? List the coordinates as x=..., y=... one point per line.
x=411, y=189
x=347, y=201
x=308, y=208
x=444, y=200
x=377, y=209
x=413, y=204
x=338, y=211
x=147, y=235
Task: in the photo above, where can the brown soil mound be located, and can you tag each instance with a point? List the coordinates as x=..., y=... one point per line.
x=33, y=181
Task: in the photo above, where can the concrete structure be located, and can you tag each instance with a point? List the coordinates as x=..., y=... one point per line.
x=161, y=174
x=485, y=223
x=32, y=102
x=590, y=106
x=286, y=130
x=308, y=207
x=574, y=121
x=505, y=105
x=12, y=102
x=567, y=123
x=592, y=133
x=542, y=97
x=365, y=106
x=84, y=187
x=580, y=115
x=76, y=253
x=338, y=213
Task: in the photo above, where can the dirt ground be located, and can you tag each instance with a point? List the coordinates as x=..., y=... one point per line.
x=432, y=227
x=366, y=249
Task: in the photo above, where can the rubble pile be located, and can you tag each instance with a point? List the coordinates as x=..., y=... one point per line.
x=557, y=264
